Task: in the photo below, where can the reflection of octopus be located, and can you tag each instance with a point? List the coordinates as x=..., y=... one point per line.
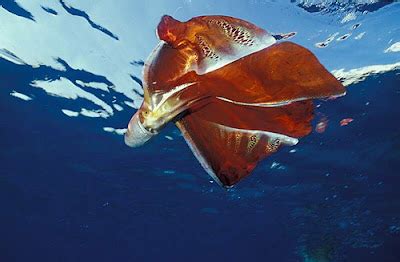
x=235, y=94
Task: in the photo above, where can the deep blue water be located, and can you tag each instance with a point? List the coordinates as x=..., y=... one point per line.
x=71, y=192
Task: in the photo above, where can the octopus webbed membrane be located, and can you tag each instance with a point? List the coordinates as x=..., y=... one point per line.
x=235, y=93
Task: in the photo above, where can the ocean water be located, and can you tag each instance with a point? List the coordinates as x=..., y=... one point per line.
x=71, y=190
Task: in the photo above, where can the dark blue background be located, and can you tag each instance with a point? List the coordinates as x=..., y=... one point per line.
x=71, y=192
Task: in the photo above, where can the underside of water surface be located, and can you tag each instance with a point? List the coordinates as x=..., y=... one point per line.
x=71, y=190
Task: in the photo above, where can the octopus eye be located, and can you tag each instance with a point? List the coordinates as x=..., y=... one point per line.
x=143, y=115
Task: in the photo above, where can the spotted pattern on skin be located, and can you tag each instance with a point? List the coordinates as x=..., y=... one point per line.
x=238, y=34
x=238, y=139
x=273, y=145
x=229, y=138
x=253, y=140
x=205, y=48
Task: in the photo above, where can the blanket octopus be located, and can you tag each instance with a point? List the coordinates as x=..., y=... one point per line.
x=236, y=94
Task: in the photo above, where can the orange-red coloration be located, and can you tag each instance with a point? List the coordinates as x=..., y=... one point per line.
x=322, y=125
x=284, y=72
x=235, y=95
x=175, y=32
x=346, y=121
x=228, y=153
x=292, y=120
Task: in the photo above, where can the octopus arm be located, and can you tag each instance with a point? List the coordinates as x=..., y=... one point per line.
x=229, y=140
